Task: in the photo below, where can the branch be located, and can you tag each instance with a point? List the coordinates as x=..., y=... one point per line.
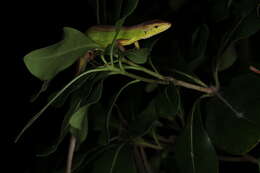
x=176, y=82
x=245, y=158
x=72, y=146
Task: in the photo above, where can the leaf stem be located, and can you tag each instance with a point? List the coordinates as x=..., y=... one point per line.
x=34, y=118
x=245, y=158
x=141, y=68
x=72, y=146
x=184, y=84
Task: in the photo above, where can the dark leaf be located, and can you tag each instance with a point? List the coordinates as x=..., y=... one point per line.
x=233, y=121
x=194, y=150
x=199, y=46
x=79, y=120
x=138, y=56
x=228, y=58
x=167, y=102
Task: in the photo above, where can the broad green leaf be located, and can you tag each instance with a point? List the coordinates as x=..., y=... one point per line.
x=46, y=63
x=194, y=150
x=167, y=102
x=79, y=120
x=138, y=56
x=228, y=58
x=199, y=46
x=232, y=119
x=79, y=123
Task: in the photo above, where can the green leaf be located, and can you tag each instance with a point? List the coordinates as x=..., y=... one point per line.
x=46, y=63
x=79, y=120
x=218, y=10
x=232, y=119
x=248, y=26
x=144, y=121
x=78, y=98
x=119, y=159
x=138, y=56
x=228, y=58
x=167, y=102
x=199, y=46
x=242, y=7
x=194, y=150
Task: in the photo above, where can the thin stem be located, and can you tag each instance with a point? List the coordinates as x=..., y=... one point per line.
x=191, y=86
x=245, y=158
x=138, y=160
x=152, y=65
x=149, y=145
x=141, y=68
x=72, y=146
x=103, y=59
x=143, y=79
x=34, y=118
x=146, y=163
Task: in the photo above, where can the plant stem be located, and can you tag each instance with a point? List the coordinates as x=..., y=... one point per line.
x=245, y=158
x=72, y=146
x=145, y=144
x=141, y=68
x=191, y=86
x=145, y=161
x=143, y=79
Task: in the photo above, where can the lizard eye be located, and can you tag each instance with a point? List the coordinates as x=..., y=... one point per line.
x=156, y=26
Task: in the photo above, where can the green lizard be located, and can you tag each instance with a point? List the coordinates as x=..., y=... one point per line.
x=104, y=34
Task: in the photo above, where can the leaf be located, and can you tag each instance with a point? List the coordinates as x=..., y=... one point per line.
x=242, y=7
x=108, y=116
x=74, y=105
x=199, y=46
x=248, y=26
x=228, y=58
x=233, y=123
x=79, y=120
x=36, y=116
x=218, y=10
x=138, y=56
x=86, y=82
x=46, y=63
x=194, y=150
x=144, y=121
x=167, y=102
x=116, y=161
x=78, y=98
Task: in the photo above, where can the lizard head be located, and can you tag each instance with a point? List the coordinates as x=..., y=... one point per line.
x=154, y=27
